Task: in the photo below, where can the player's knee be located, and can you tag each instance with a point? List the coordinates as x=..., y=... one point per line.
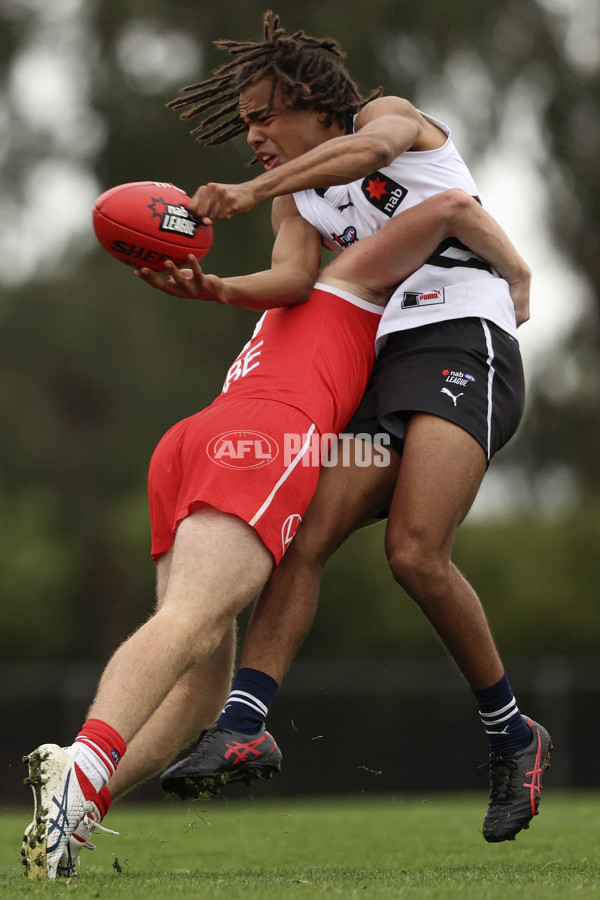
x=414, y=565
x=193, y=634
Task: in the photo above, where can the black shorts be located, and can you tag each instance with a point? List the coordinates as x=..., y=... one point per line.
x=468, y=371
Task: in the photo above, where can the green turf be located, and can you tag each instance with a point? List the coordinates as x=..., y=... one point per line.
x=390, y=846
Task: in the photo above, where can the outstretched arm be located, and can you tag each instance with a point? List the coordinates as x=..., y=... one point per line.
x=295, y=262
x=372, y=268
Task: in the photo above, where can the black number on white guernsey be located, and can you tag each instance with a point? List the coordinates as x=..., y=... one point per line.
x=451, y=253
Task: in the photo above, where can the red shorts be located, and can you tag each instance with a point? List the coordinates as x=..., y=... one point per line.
x=244, y=457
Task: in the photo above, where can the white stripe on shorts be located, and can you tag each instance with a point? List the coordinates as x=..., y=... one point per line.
x=491, y=373
x=303, y=450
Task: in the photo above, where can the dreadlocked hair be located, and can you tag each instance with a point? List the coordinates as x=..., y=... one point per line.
x=303, y=66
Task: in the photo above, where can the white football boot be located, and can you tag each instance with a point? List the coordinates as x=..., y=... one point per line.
x=59, y=807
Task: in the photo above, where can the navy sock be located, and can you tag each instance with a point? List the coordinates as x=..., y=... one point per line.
x=252, y=693
x=505, y=727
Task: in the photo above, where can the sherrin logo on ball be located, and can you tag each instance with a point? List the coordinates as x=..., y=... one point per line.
x=145, y=223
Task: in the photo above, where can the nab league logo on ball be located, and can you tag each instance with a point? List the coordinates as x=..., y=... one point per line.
x=174, y=219
x=242, y=449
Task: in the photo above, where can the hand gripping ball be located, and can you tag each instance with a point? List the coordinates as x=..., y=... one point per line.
x=145, y=223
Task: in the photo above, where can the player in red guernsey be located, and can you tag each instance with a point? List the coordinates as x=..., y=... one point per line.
x=306, y=368
x=255, y=452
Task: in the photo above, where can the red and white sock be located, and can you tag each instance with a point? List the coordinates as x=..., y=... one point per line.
x=103, y=801
x=99, y=749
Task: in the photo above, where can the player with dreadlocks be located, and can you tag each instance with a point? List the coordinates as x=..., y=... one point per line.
x=301, y=65
x=217, y=534
x=448, y=375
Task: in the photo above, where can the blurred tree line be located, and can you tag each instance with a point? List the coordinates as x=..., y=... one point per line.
x=95, y=366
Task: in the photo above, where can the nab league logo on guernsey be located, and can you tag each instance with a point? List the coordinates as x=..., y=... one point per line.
x=242, y=449
x=383, y=192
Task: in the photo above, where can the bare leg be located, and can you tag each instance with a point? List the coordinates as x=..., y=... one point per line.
x=218, y=565
x=192, y=706
x=282, y=617
x=441, y=471
x=286, y=607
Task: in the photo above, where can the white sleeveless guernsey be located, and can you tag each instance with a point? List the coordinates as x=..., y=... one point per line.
x=454, y=282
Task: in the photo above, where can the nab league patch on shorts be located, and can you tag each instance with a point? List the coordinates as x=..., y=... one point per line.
x=383, y=192
x=412, y=299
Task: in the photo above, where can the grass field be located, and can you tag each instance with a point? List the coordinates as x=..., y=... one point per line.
x=389, y=846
